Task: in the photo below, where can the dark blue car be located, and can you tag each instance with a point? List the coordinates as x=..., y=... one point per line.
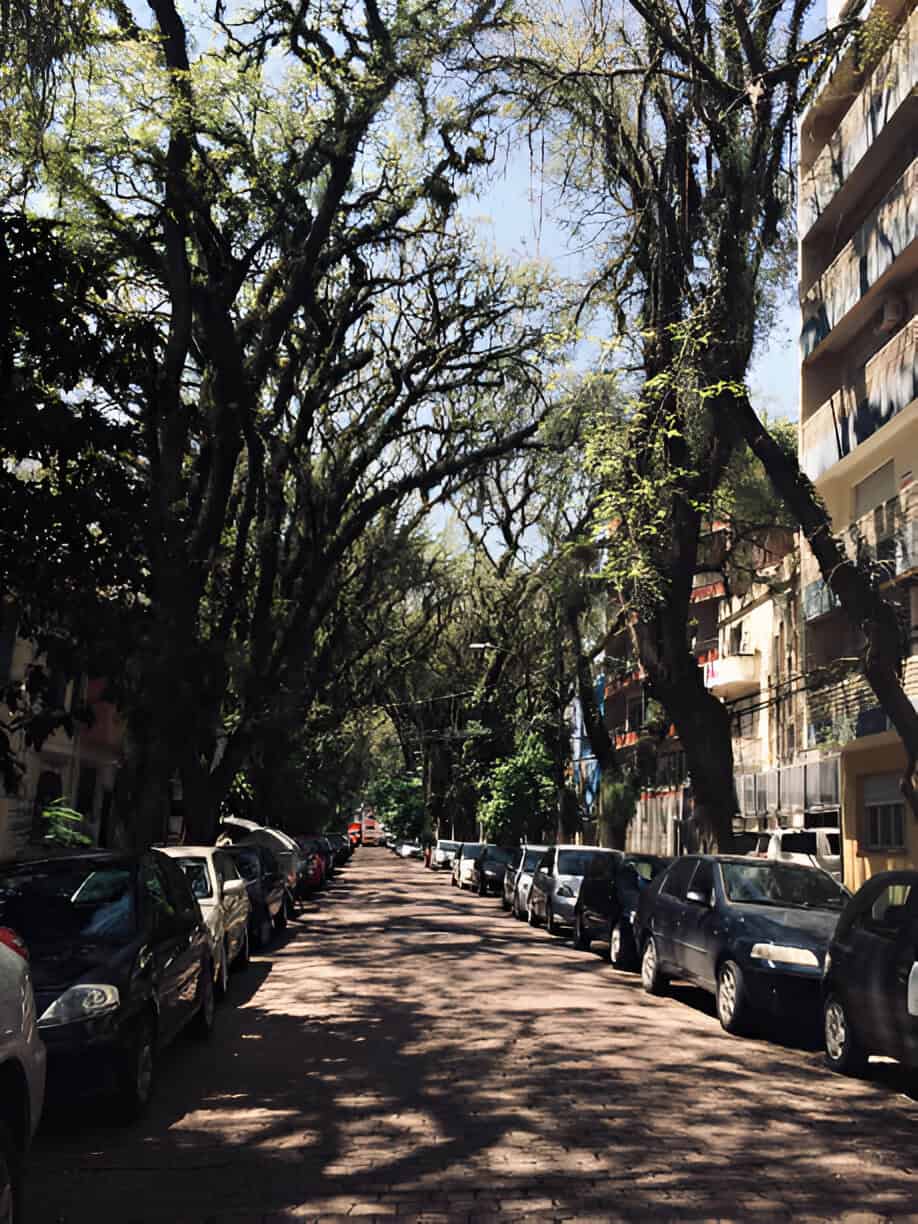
x=608, y=902
x=752, y=932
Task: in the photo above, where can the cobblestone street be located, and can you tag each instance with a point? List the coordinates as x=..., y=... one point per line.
x=416, y=1052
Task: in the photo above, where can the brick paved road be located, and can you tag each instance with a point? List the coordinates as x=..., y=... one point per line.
x=413, y=1051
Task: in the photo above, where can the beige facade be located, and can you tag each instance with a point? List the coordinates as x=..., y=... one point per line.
x=858, y=235
x=80, y=769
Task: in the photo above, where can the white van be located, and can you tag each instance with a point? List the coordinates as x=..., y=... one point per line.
x=812, y=847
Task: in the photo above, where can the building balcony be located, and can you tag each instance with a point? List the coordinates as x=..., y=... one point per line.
x=847, y=420
x=841, y=300
x=881, y=115
x=733, y=676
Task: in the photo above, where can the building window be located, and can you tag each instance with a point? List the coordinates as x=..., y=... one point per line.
x=885, y=826
x=884, y=813
x=876, y=489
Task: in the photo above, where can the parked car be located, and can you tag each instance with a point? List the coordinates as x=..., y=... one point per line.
x=121, y=962
x=870, y=988
x=488, y=870
x=221, y=893
x=341, y=848
x=608, y=902
x=556, y=883
x=443, y=854
x=754, y=933
x=518, y=879
x=312, y=875
x=22, y=1070
x=409, y=849
x=355, y=833
x=282, y=846
x=464, y=861
x=264, y=884
x=812, y=847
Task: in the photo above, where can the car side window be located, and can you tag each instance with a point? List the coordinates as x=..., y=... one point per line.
x=703, y=879
x=548, y=862
x=677, y=879
x=158, y=901
x=889, y=913
x=183, y=898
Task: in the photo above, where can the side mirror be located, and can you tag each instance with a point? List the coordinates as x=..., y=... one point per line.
x=698, y=898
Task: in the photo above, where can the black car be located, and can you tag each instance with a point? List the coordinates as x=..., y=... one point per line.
x=264, y=882
x=121, y=963
x=871, y=981
x=341, y=848
x=753, y=932
x=608, y=902
x=488, y=870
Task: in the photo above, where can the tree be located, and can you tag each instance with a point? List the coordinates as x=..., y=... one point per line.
x=315, y=343
x=673, y=125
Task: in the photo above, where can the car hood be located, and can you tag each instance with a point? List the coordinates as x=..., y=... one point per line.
x=811, y=928
x=56, y=967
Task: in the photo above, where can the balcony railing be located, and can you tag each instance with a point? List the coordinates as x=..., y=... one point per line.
x=844, y=422
x=883, y=237
x=733, y=676
x=891, y=83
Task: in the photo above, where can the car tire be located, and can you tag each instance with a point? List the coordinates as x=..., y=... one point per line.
x=732, y=999
x=223, y=972
x=620, y=954
x=843, y=1050
x=581, y=932
x=202, y=1026
x=652, y=979
x=244, y=955
x=10, y=1178
x=137, y=1072
x=551, y=925
x=482, y=887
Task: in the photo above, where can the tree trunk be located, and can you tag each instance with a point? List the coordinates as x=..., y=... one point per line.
x=856, y=591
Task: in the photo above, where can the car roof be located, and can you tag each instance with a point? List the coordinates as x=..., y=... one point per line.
x=573, y=846
x=182, y=851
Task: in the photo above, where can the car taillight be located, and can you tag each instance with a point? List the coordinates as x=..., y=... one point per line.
x=11, y=940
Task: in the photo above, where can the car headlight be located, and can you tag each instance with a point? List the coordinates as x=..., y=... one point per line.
x=80, y=1003
x=782, y=954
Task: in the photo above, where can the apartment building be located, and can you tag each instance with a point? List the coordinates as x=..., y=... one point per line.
x=858, y=282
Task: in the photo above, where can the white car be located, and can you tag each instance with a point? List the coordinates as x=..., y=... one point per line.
x=811, y=847
x=464, y=861
x=409, y=850
x=221, y=893
x=22, y=1070
x=443, y=853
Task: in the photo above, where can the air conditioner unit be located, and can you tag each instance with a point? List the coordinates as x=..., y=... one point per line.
x=891, y=315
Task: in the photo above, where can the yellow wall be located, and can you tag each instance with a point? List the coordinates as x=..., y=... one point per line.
x=878, y=754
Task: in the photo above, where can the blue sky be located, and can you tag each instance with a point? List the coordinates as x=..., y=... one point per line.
x=511, y=216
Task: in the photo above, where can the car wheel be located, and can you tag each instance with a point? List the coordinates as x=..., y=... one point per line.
x=619, y=948
x=280, y=918
x=138, y=1070
x=732, y=1002
x=203, y=1023
x=581, y=934
x=844, y=1052
x=243, y=956
x=652, y=979
x=10, y=1178
x=482, y=887
x=550, y=925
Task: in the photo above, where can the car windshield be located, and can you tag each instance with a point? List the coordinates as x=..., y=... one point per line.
x=67, y=900
x=646, y=868
x=532, y=859
x=781, y=884
x=442, y=845
x=498, y=854
x=472, y=850
x=799, y=843
x=577, y=863
x=198, y=876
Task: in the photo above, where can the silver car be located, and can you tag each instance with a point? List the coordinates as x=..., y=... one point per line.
x=22, y=1070
x=518, y=880
x=556, y=884
x=443, y=854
